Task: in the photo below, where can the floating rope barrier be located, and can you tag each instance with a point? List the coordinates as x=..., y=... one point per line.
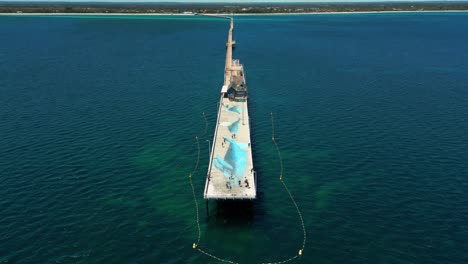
x=283, y=261
x=287, y=190
x=206, y=125
x=196, y=244
x=276, y=145
x=193, y=192
x=215, y=257
x=195, y=200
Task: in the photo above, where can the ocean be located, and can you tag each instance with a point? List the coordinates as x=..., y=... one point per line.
x=98, y=118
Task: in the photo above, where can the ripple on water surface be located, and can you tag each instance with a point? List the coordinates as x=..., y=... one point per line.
x=98, y=138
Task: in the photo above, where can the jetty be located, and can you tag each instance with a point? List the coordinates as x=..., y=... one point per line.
x=231, y=173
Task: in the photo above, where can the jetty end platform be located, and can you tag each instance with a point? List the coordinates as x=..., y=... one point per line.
x=231, y=173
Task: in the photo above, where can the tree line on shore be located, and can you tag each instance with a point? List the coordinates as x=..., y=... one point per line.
x=67, y=7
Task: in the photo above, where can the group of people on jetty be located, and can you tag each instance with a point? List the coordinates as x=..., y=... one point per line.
x=228, y=183
x=233, y=136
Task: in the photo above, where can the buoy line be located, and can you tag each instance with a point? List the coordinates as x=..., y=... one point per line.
x=215, y=257
x=193, y=192
x=206, y=124
x=196, y=245
x=191, y=182
x=301, y=250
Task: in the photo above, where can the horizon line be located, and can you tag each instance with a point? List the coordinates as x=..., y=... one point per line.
x=241, y=1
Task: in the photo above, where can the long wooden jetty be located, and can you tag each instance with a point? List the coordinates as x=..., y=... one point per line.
x=231, y=173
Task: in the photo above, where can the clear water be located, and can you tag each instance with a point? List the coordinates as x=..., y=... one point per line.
x=99, y=115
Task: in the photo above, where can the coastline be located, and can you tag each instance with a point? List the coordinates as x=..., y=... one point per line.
x=228, y=14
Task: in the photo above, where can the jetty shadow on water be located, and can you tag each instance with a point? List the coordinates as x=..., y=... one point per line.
x=234, y=213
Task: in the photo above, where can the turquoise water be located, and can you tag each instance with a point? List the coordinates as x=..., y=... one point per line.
x=99, y=117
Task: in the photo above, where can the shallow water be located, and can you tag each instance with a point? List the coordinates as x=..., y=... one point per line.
x=99, y=114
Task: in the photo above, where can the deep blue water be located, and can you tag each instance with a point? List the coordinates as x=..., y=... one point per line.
x=98, y=117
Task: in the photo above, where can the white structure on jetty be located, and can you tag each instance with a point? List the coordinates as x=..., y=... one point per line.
x=231, y=172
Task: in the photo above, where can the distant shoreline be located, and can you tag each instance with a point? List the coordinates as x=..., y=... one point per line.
x=228, y=14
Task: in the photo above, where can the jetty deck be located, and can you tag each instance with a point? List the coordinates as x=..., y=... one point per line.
x=231, y=173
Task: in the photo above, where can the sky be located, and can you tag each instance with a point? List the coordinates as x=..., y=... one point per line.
x=235, y=1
